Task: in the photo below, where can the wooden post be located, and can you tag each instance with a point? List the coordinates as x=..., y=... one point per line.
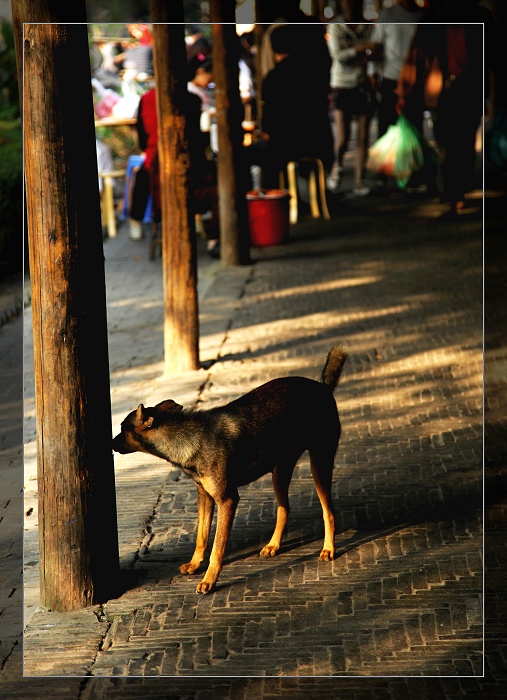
x=79, y=562
x=232, y=172
x=181, y=314
x=259, y=30
x=317, y=9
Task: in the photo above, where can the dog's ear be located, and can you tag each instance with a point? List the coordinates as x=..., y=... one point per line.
x=143, y=421
x=169, y=406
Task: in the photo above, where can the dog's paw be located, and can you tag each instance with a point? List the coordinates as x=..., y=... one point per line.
x=204, y=587
x=326, y=555
x=268, y=551
x=188, y=568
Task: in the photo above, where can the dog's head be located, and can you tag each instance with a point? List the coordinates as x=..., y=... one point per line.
x=139, y=425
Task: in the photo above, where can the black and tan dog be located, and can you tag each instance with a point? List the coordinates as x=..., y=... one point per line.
x=266, y=430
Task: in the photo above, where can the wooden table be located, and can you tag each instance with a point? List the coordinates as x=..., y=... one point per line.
x=116, y=121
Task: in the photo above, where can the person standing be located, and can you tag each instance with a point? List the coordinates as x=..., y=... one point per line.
x=459, y=54
x=147, y=133
x=351, y=48
x=393, y=35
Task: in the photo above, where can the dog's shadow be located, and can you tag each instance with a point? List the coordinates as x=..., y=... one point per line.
x=307, y=535
x=351, y=539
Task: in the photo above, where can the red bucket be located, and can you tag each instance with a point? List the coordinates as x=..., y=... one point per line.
x=268, y=216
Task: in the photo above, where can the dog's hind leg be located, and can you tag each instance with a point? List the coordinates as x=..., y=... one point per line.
x=322, y=472
x=282, y=474
x=205, y=508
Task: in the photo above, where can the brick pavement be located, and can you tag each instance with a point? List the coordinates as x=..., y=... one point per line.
x=403, y=598
x=11, y=491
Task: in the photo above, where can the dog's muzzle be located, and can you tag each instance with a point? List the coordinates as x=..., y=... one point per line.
x=119, y=445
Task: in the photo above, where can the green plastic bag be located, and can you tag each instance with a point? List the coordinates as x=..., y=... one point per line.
x=429, y=170
x=409, y=155
x=401, y=152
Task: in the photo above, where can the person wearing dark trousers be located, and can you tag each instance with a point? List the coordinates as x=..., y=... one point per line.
x=352, y=94
x=461, y=53
x=459, y=110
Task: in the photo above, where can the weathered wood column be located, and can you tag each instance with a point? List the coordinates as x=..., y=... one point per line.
x=317, y=9
x=232, y=170
x=77, y=508
x=181, y=313
x=259, y=30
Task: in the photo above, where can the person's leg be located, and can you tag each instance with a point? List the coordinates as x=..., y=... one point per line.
x=387, y=114
x=343, y=135
x=206, y=200
x=459, y=159
x=342, y=122
x=140, y=195
x=457, y=120
x=363, y=125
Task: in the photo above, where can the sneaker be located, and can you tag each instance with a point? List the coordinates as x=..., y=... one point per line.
x=334, y=178
x=214, y=250
x=361, y=191
x=135, y=230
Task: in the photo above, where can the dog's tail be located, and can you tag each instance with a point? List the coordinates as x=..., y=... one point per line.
x=333, y=367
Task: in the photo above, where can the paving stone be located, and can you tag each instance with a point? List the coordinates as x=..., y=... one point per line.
x=404, y=595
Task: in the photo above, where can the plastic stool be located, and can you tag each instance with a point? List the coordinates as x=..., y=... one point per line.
x=316, y=165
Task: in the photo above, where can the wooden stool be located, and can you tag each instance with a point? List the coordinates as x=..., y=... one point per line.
x=313, y=178
x=107, y=200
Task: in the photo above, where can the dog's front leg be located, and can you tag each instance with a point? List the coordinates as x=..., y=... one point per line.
x=226, y=510
x=205, y=508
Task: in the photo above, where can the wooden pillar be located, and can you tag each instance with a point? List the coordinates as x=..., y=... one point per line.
x=77, y=509
x=232, y=169
x=179, y=258
x=318, y=9
x=260, y=27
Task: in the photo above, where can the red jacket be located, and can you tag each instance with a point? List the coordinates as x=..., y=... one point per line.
x=147, y=126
